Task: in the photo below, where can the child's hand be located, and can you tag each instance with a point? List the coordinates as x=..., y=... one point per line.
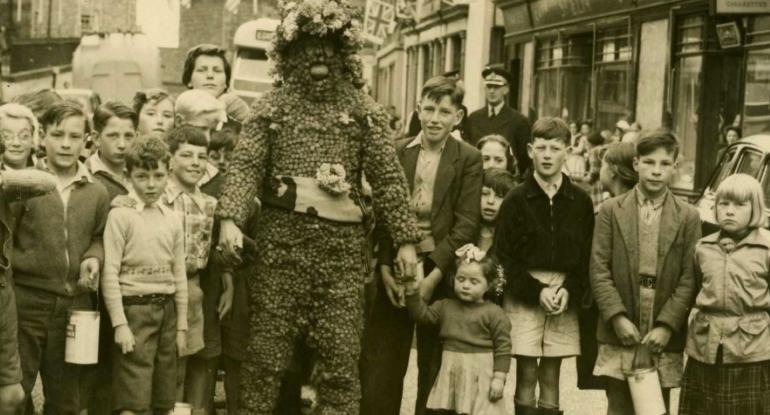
x=657, y=338
x=125, y=339
x=548, y=300
x=626, y=331
x=496, y=387
x=226, y=299
x=562, y=300
x=394, y=291
x=181, y=342
x=89, y=274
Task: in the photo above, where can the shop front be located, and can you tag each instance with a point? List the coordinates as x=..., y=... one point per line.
x=694, y=66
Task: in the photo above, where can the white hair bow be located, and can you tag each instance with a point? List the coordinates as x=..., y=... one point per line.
x=470, y=252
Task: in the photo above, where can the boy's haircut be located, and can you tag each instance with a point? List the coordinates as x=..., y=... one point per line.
x=589, y=123
x=551, y=128
x=204, y=49
x=110, y=109
x=19, y=112
x=741, y=188
x=58, y=111
x=185, y=134
x=38, y=101
x=499, y=180
x=193, y=103
x=439, y=87
x=649, y=141
x=150, y=95
x=620, y=159
x=223, y=140
x=147, y=153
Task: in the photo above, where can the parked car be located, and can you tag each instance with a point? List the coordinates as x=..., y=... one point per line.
x=750, y=155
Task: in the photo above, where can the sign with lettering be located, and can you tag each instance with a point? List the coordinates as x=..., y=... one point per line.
x=742, y=6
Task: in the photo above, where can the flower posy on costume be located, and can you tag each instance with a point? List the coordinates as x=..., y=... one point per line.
x=304, y=152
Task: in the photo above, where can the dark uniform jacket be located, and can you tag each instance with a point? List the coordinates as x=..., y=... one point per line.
x=509, y=123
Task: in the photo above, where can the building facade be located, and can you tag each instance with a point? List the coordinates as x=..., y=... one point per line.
x=694, y=66
x=443, y=37
x=37, y=38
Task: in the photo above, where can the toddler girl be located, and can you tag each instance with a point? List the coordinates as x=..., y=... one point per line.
x=476, y=339
x=728, y=340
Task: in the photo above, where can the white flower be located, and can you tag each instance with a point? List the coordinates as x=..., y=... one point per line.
x=331, y=178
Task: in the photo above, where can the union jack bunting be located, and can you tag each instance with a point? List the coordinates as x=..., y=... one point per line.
x=379, y=21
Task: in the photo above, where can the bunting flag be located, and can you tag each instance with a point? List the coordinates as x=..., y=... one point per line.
x=232, y=6
x=379, y=21
x=406, y=9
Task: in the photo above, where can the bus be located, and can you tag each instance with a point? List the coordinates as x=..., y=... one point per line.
x=251, y=68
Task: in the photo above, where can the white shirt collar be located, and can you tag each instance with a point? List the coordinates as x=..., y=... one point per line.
x=139, y=204
x=418, y=139
x=550, y=187
x=497, y=108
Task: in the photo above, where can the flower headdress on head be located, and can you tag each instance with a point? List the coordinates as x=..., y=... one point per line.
x=469, y=253
x=331, y=19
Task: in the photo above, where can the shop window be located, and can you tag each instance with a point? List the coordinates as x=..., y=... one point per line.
x=688, y=65
x=564, y=77
x=613, y=69
x=756, y=102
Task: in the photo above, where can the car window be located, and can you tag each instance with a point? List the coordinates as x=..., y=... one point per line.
x=750, y=162
x=723, y=169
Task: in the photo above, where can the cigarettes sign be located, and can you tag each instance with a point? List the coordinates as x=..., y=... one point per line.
x=742, y=6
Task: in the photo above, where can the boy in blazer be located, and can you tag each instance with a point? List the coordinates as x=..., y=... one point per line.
x=642, y=272
x=445, y=177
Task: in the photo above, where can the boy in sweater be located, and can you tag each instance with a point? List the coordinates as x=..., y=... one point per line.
x=57, y=253
x=543, y=241
x=145, y=286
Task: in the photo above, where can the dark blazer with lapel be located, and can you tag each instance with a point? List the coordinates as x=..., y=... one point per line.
x=615, y=265
x=509, y=123
x=456, y=210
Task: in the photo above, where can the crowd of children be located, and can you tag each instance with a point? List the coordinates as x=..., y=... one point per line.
x=512, y=265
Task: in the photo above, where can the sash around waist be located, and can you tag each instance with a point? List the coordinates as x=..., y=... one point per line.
x=302, y=195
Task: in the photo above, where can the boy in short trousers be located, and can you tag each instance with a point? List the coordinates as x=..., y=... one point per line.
x=145, y=286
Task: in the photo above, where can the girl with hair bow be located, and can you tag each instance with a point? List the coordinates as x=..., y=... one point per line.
x=476, y=338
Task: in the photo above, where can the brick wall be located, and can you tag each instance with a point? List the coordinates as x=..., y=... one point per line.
x=207, y=21
x=62, y=18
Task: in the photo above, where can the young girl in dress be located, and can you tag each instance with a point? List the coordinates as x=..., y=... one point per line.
x=476, y=339
x=728, y=340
